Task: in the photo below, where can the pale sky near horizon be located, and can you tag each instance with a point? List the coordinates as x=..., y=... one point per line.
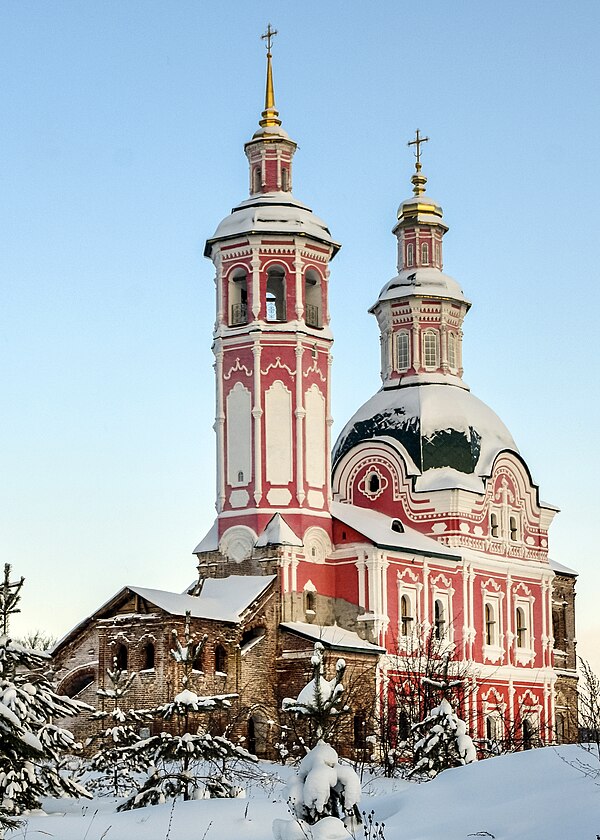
x=122, y=127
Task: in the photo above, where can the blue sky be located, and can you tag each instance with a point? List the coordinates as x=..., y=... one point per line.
x=122, y=127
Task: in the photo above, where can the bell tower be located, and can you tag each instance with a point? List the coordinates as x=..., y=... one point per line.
x=272, y=348
x=420, y=311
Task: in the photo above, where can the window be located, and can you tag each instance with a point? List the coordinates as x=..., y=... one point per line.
x=309, y=601
x=149, y=657
x=410, y=255
x=514, y=531
x=285, y=179
x=256, y=179
x=275, y=297
x=406, y=618
x=241, y=476
x=430, y=349
x=220, y=659
x=521, y=628
x=452, y=350
x=494, y=524
x=403, y=726
x=121, y=657
x=439, y=621
x=425, y=254
x=397, y=526
x=560, y=729
x=528, y=733
x=238, y=299
x=360, y=731
x=438, y=255
x=490, y=625
x=373, y=483
x=402, y=351
x=312, y=295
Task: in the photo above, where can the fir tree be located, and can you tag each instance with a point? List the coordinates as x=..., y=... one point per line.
x=115, y=765
x=187, y=763
x=324, y=795
x=442, y=739
x=32, y=745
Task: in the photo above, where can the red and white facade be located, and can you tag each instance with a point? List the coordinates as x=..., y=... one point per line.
x=426, y=519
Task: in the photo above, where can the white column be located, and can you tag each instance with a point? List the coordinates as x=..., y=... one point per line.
x=219, y=426
x=255, y=264
x=219, y=284
x=299, y=414
x=257, y=413
x=299, y=290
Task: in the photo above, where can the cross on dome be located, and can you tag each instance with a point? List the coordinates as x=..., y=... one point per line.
x=270, y=116
x=417, y=179
x=268, y=35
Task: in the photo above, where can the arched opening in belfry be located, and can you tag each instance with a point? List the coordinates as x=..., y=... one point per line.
x=256, y=180
x=313, y=299
x=238, y=298
x=275, y=296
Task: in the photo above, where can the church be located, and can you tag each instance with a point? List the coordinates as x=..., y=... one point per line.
x=422, y=522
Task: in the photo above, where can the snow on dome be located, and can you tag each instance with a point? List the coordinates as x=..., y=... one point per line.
x=425, y=282
x=277, y=212
x=451, y=437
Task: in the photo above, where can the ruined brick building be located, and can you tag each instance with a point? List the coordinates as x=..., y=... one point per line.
x=423, y=519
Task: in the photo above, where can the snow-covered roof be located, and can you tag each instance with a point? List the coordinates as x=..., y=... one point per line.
x=451, y=436
x=278, y=532
x=221, y=599
x=277, y=212
x=211, y=541
x=377, y=527
x=332, y=636
x=560, y=569
x=430, y=282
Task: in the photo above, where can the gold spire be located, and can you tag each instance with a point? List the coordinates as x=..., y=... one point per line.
x=418, y=179
x=270, y=116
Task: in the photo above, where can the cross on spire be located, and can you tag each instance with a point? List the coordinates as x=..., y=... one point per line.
x=416, y=142
x=268, y=36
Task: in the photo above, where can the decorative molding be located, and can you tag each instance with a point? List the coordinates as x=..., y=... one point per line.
x=235, y=367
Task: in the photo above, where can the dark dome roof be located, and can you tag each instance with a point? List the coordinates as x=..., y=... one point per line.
x=449, y=437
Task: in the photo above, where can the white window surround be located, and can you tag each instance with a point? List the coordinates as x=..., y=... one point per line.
x=410, y=255
x=444, y=596
x=452, y=350
x=425, y=253
x=409, y=587
x=431, y=349
x=523, y=630
x=494, y=650
x=402, y=351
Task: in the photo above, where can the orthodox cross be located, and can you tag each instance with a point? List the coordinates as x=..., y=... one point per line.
x=416, y=142
x=268, y=36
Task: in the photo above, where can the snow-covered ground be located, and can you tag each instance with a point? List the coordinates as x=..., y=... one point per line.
x=545, y=794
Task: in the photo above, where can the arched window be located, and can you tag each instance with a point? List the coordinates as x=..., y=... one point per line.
x=360, y=731
x=452, y=350
x=521, y=627
x=121, y=657
x=406, y=618
x=431, y=349
x=402, y=351
x=438, y=255
x=560, y=729
x=220, y=660
x=514, y=531
x=285, y=179
x=424, y=254
x=238, y=299
x=397, y=526
x=490, y=625
x=309, y=601
x=403, y=726
x=312, y=296
x=494, y=524
x=410, y=255
x=439, y=621
x=275, y=298
x=256, y=179
x=528, y=732
x=373, y=483
x=149, y=657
